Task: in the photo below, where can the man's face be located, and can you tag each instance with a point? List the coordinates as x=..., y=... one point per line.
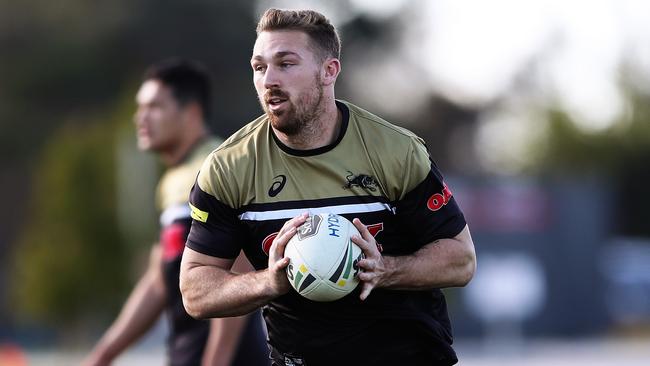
x=286, y=74
x=158, y=119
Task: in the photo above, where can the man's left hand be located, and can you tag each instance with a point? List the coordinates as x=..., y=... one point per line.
x=374, y=270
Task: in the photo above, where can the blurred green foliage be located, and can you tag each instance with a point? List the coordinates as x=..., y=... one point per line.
x=70, y=260
x=64, y=68
x=567, y=148
x=620, y=153
x=72, y=56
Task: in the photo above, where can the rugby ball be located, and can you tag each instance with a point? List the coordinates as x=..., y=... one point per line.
x=323, y=258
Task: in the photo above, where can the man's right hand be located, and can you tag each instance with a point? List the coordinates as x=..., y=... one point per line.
x=278, y=281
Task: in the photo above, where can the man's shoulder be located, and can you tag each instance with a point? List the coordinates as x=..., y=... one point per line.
x=401, y=154
x=204, y=149
x=239, y=145
x=380, y=135
x=175, y=183
x=371, y=123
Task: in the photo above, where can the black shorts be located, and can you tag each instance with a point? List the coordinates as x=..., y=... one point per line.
x=386, y=359
x=404, y=346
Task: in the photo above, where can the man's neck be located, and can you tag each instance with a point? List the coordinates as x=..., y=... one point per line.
x=179, y=152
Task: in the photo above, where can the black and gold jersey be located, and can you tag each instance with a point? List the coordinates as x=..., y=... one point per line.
x=187, y=336
x=172, y=194
x=376, y=171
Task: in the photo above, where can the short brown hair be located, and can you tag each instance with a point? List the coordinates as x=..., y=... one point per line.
x=322, y=33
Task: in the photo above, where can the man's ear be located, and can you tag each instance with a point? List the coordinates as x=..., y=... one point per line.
x=331, y=70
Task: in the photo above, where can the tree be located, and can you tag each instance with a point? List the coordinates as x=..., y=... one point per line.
x=69, y=261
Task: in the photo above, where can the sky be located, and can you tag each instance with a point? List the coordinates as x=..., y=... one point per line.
x=576, y=46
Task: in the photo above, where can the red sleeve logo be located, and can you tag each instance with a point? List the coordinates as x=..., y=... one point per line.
x=437, y=200
x=172, y=238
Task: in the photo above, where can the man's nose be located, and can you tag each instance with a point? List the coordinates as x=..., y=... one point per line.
x=271, y=78
x=140, y=116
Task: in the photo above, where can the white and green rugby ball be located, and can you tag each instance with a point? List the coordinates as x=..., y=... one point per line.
x=323, y=258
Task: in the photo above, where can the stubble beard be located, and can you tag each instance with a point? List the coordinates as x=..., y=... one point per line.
x=298, y=119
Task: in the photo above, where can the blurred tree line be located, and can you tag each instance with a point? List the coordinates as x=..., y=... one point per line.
x=68, y=74
x=621, y=153
x=69, y=71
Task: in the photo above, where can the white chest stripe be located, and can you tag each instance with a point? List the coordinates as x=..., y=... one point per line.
x=175, y=212
x=340, y=210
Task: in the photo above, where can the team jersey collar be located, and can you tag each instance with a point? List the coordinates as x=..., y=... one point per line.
x=345, y=117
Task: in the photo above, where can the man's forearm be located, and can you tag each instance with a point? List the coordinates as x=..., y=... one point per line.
x=210, y=292
x=141, y=310
x=210, y=289
x=443, y=263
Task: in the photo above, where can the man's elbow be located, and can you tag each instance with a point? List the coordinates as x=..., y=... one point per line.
x=467, y=269
x=193, y=310
x=191, y=301
x=467, y=258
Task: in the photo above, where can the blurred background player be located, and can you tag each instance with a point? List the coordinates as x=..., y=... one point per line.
x=173, y=107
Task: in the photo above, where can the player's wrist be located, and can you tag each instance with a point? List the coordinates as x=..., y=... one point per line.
x=389, y=273
x=102, y=356
x=275, y=285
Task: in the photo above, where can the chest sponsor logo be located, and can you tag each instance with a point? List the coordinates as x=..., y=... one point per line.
x=278, y=183
x=267, y=242
x=374, y=229
x=360, y=180
x=438, y=200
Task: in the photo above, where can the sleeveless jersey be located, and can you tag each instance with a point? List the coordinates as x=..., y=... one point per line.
x=188, y=336
x=375, y=171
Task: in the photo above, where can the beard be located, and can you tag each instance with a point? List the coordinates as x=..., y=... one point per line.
x=297, y=117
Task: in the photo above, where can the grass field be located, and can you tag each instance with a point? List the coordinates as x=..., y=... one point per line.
x=587, y=352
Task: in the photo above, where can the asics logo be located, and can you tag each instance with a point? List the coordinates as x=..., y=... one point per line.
x=278, y=184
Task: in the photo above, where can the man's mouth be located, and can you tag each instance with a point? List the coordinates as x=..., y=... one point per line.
x=275, y=100
x=143, y=132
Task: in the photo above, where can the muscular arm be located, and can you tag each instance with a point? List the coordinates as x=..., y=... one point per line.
x=211, y=290
x=442, y=263
x=141, y=310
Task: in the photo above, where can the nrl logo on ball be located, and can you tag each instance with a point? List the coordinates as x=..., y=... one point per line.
x=310, y=227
